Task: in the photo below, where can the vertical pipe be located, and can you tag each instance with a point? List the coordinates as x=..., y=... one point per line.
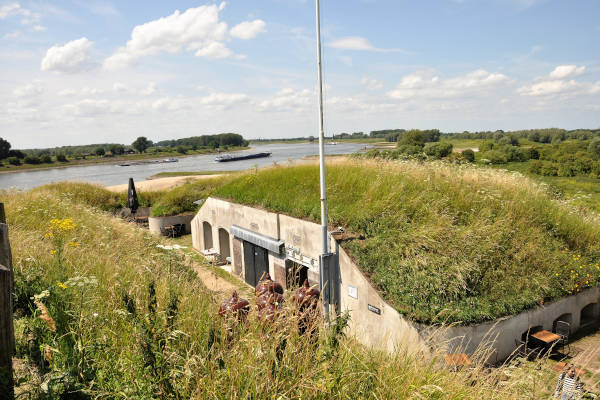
x=325, y=244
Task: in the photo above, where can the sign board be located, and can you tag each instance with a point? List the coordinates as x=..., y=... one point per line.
x=374, y=309
x=353, y=292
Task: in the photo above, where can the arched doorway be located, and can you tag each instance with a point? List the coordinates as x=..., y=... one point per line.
x=589, y=314
x=224, y=248
x=208, y=239
x=567, y=317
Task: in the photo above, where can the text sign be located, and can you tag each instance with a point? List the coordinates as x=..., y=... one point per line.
x=352, y=292
x=374, y=309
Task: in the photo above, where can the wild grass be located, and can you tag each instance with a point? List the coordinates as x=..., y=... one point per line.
x=442, y=242
x=115, y=317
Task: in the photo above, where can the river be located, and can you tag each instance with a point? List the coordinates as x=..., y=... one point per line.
x=112, y=174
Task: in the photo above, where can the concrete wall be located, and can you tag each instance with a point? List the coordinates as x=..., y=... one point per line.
x=157, y=224
x=503, y=333
x=373, y=322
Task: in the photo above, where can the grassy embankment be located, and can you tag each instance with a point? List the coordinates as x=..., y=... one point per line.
x=102, y=313
x=442, y=242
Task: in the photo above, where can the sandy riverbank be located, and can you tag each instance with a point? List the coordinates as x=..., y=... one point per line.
x=160, y=183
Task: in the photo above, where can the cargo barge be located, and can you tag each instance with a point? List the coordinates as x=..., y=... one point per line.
x=230, y=157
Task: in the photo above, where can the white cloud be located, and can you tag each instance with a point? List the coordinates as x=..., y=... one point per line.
x=39, y=28
x=67, y=92
x=557, y=83
x=31, y=89
x=87, y=108
x=548, y=87
x=119, y=87
x=150, y=89
x=15, y=9
x=169, y=104
x=10, y=9
x=288, y=100
x=198, y=30
x=567, y=71
x=248, y=29
x=371, y=83
x=214, y=50
x=359, y=43
x=223, y=99
x=74, y=56
x=427, y=84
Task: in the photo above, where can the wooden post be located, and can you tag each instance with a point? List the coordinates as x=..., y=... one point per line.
x=7, y=336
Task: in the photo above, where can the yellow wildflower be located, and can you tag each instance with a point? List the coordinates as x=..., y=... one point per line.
x=74, y=244
x=61, y=285
x=53, y=252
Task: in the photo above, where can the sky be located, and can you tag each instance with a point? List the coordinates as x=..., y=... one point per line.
x=94, y=71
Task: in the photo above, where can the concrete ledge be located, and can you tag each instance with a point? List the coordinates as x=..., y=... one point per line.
x=157, y=224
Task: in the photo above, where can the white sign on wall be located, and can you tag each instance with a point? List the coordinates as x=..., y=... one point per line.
x=353, y=292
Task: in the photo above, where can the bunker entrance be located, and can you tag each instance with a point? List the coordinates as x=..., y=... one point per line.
x=256, y=263
x=295, y=274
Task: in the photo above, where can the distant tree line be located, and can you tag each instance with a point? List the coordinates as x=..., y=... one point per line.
x=207, y=141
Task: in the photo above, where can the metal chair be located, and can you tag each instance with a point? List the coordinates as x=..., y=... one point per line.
x=563, y=329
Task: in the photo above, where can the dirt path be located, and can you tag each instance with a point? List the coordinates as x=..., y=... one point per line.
x=161, y=183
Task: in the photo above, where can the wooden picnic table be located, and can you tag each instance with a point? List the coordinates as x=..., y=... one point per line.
x=457, y=359
x=546, y=336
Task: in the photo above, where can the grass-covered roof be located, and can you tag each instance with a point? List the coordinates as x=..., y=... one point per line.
x=441, y=242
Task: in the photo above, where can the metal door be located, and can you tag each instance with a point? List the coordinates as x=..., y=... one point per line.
x=256, y=263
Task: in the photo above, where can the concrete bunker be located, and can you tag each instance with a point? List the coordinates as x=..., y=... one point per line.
x=285, y=247
x=207, y=235
x=224, y=247
x=589, y=315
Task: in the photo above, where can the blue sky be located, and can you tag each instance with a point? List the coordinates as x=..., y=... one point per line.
x=76, y=72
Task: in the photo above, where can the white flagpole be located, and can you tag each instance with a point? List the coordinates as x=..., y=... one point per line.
x=322, y=164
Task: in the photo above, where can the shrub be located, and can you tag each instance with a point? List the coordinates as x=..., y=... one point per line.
x=46, y=159
x=32, y=160
x=495, y=157
x=438, y=150
x=486, y=146
x=410, y=149
x=181, y=150
x=61, y=157
x=468, y=155
x=100, y=151
x=14, y=160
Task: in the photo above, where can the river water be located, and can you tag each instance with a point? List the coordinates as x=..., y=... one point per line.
x=113, y=174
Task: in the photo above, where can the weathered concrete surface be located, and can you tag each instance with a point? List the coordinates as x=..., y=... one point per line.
x=157, y=224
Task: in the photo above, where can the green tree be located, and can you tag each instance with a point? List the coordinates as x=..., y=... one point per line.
x=100, y=151
x=141, y=144
x=4, y=149
x=438, y=150
x=594, y=146
x=116, y=149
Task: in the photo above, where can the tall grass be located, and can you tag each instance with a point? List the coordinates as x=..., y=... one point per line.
x=442, y=242
x=111, y=316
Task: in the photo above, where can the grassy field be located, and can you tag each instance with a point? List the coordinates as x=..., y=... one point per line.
x=102, y=313
x=442, y=242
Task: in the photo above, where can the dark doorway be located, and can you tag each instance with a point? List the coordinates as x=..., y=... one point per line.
x=207, y=232
x=224, y=243
x=256, y=263
x=295, y=274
